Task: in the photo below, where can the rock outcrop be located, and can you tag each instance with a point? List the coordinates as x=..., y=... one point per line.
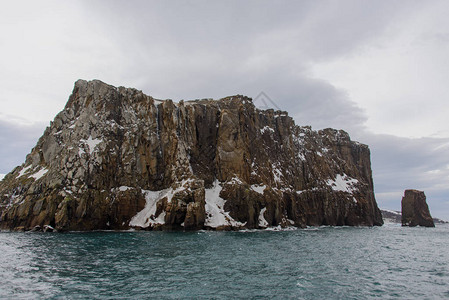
x=115, y=158
x=392, y=216
x=415, y=211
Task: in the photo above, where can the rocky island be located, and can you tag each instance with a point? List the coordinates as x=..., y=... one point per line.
x=415, y=211
x=117, y=159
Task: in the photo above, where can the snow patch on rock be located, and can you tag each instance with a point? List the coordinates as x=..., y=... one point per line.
x=234, y=180
x=24, y=170
x=277, y=174
x=392, y=212
x=124, y=188
x=182, y=186
x=262, y=221
x=91, y=143
x=343, y=183
x=146, y=216
x=265, y=129
x=39, y=174
x=215, y=214
x=258, y=188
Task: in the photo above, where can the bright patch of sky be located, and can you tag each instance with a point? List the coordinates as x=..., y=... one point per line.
x=400, y=77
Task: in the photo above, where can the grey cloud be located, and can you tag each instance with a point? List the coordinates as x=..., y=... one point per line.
x=315, y=102
x=313, y=29
x=197, y=49
x=403, y=163
x=16, y=142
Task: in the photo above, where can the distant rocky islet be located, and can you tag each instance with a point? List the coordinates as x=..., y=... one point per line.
x=415, y=211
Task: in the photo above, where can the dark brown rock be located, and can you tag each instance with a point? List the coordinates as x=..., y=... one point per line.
x=115, y=158
x=415, y=211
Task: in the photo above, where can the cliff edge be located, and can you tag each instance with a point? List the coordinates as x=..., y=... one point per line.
x=115, y=158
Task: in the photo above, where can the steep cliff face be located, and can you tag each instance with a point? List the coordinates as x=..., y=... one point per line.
x=115, y=158
x=415, y=211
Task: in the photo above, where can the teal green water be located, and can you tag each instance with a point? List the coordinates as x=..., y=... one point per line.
x=318, y=263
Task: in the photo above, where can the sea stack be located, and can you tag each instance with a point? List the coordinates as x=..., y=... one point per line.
x=118, y=159
x=415, y=211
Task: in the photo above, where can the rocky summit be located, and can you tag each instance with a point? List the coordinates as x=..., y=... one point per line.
x=118, y=159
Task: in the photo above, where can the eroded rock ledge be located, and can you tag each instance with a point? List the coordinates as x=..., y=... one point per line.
x=115, y=158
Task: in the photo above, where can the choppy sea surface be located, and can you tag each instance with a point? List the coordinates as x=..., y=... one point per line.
x=315, y=263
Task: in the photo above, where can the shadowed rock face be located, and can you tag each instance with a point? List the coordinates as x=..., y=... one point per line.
x=415, y=211
x=115, y=158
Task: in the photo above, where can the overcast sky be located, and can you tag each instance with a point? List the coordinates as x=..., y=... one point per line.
x=377, y=69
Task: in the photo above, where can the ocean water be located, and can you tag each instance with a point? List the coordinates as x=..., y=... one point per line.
x=315, y=263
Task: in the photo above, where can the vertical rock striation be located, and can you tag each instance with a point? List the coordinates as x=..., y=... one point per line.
x=415, y=211
x=115, y=158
